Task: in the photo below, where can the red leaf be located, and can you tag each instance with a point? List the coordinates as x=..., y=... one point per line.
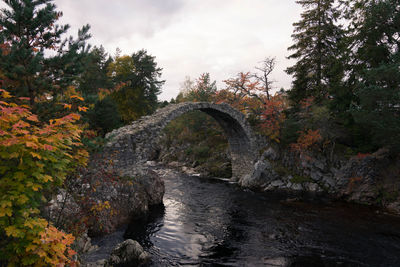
x=48, y=147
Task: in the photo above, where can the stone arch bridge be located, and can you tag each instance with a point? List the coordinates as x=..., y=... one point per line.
x=138, y=142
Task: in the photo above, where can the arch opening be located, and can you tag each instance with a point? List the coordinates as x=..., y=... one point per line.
x=196, y=140
x=137, y=143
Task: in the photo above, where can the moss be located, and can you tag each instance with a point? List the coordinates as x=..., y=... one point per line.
x=345, y=151
x=300, y=179
x=189, y=151
x=201, y=152
x=127, y=178
x=284, y=171
x=281, y=170
x=216, y=171
x=385, y=196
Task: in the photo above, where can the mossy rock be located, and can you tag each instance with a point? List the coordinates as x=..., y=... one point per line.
x=300, y=179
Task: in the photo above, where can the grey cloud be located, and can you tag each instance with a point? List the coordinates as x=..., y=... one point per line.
x=189, y=37
x=115, y=19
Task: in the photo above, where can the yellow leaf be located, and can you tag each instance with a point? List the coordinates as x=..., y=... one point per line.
x=22, y=199
x=29, y=224
x=5, y=211
x=5, y=203
x=30, y=247
x=41, y=253
x=13, y=231
x=5, y=94
x=36, y=155
x=40, y=165
x=36, y=187
x=47, y=178
x=13, y=155
x=36, y=211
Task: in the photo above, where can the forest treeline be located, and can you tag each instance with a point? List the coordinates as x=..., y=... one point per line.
x=345, y=94
x=59, y=96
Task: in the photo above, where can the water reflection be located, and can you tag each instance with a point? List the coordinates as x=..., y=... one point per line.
x=207, y=222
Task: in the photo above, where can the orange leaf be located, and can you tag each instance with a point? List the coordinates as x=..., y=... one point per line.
x=77, y=97
x=33, y=118
x=71, y=252
x=31, y=144
x=84, y=109
x=67, y=106
x=21, y=124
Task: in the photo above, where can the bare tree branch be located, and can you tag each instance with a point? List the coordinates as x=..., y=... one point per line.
x=266, y=68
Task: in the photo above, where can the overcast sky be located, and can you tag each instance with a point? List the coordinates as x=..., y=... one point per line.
x=190, y=37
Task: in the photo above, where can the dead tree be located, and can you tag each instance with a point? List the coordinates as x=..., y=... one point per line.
x=266, y=67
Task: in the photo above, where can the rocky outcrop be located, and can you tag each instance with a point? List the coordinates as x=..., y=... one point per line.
x=99, y=202
x=363, y=178
x=128, y=197
x=261, y=176
x=84, y=245
x=128, y=253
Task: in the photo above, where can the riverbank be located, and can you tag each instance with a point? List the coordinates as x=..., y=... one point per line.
x=211, y=221
x=369, y=179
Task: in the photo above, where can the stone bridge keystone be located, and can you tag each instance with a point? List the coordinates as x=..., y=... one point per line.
x=138, y=142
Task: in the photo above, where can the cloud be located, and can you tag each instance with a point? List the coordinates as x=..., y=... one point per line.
x=224, y=39
x=112, y=20
x=190, y=37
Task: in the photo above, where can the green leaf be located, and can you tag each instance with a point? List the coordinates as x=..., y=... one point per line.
x=19, y=176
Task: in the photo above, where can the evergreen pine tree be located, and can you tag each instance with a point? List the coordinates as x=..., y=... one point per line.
x=376, y=70
x=316, y=50
x=28, y=31
x=94, y=75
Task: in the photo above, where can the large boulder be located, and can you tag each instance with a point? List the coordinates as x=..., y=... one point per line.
x=128, y=253
x=99, y=201
x=128, y=197
x=362, y=178
x=260, y=177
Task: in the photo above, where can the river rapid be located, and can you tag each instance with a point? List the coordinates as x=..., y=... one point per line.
x=211, y=222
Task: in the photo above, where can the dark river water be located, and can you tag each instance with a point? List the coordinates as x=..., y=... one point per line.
x=210, y=222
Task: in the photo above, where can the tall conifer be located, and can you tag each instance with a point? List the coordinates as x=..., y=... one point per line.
x=375, y=71
x=316, y=51
x=33, y=56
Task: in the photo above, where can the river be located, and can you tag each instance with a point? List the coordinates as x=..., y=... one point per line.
x=211, y=222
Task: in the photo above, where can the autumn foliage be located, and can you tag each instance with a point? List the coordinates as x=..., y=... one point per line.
x=248, y=95
x=307, y=140
x=35, y=157
x=273, y=116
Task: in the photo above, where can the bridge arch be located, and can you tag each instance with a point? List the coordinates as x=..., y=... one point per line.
x=138, y=142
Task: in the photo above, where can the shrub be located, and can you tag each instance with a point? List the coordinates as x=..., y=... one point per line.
x=35, y=157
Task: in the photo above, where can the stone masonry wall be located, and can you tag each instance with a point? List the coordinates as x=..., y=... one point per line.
x=138, y=142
